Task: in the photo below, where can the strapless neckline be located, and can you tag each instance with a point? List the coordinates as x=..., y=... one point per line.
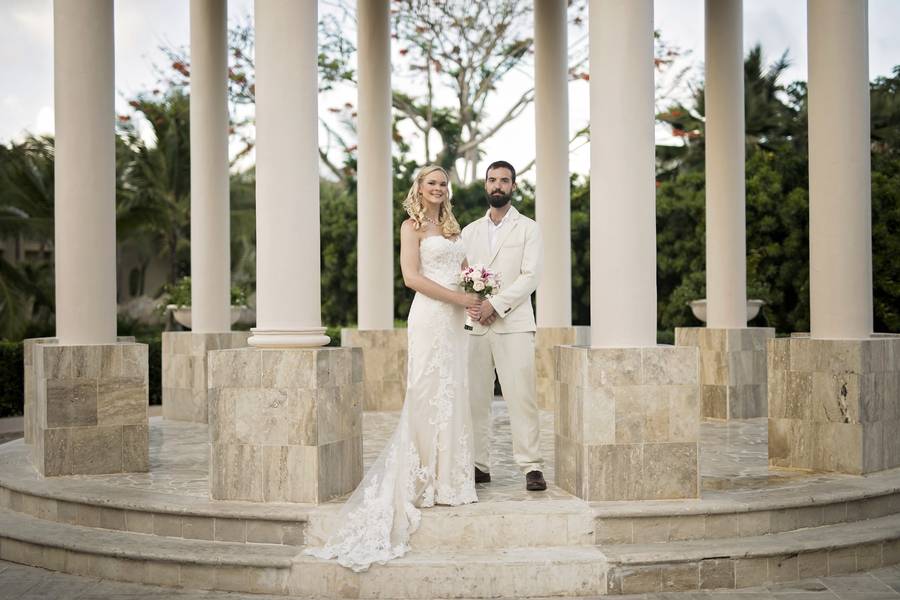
x=440, y=237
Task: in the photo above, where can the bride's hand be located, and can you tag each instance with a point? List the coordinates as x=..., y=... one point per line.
x=470, y=301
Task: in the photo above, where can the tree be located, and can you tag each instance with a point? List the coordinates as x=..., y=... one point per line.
x=154, y=202
x=26, y=214
x=772, y=117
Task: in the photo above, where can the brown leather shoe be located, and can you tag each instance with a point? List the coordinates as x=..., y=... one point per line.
x=481, y=476
x=534, y=481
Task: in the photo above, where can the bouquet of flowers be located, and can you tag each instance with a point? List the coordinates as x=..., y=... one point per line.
x=478, y=279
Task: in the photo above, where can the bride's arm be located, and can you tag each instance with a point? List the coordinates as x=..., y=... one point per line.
x=413, y=278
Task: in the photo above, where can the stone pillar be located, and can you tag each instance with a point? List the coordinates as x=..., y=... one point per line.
x=85, y=176
x=285, y=417
x=627, y=414
x=623, y=206
x=833, y=396
x=285, y=424
x=375, y=215
x=210, y=245
x=90, y=409
x=840, y=220
x=732, y=357
x=833, y=404
x=88, y=413
x=732, y=370
x=545, y=341
x=383, y=347
x=627, y=423
x=384, y=366
x=551, y=109
x=726, y=247
x=184, y=368
x=288, y=307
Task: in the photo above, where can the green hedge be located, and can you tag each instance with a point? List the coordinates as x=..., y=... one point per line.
x=12, y=389
x=154, y=356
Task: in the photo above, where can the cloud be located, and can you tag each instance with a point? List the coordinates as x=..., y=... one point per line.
x=44, y=121
x=32, y=18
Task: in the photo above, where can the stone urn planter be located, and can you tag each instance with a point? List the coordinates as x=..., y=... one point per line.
x=182, y=314
x=698, y=307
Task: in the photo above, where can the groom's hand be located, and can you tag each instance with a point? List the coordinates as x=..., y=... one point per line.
x=474, y=312
x=488, y=314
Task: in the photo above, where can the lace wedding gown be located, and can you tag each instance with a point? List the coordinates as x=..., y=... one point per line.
x=428, y=459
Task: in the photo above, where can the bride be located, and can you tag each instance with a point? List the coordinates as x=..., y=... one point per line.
x=428, y=460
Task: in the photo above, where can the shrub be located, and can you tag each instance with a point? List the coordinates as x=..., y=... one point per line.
x=154, y=372
x=12, y=389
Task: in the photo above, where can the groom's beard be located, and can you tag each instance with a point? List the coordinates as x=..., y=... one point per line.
x=499, y=199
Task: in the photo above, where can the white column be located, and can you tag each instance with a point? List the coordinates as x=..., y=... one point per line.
x=85, y=180
x=726, y=245
x=210, y=250
x=375, y=228
x=551, y=109
x=288, y=309
x=840, y=207
x=623, y=190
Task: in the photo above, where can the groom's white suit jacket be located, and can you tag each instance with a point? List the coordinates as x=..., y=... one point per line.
x=518, y=258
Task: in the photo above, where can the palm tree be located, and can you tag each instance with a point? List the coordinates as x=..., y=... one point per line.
x=154, y=198
x=774, y=116
x=26, y=214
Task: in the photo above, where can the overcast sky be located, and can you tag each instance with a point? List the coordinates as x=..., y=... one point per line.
x=26, y=93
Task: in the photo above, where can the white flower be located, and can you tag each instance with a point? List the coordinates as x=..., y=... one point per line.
x=478, y=286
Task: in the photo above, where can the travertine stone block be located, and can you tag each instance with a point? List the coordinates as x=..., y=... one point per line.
x=285, y=424
x=30, y=384
x=89, y=409
x=184, y=371
x=383, y=365
x=732, y=369
x=628, y=422
x=545, y=340
x=833, y=404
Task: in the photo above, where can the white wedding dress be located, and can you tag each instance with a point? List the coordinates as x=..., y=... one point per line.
x=428, y=459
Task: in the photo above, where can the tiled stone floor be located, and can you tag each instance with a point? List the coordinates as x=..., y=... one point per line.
x=733, y=462
x=28, y=583
x=733, y=459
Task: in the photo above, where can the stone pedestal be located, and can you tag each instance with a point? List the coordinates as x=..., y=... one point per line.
x=30, y=383
x=384, y=365
x=184, y=368
x=732, y=369
x=90, y=406
x=545, y=340
x=834, y=405
x=285, y=424
x=627, y=422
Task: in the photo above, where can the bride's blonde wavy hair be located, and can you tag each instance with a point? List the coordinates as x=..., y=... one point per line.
x=415, y=206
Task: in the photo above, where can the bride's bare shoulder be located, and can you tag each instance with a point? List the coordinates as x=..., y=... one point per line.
x=409, y=233
x=409, y=226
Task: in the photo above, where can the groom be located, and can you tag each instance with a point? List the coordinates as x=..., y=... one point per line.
x=509, y=244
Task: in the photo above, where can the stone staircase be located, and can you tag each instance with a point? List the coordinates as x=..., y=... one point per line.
x=547, y=545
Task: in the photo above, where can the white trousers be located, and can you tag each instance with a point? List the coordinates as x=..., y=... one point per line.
x=512, y=354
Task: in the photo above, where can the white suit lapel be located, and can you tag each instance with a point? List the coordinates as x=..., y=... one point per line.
x=483, y=241
x=512, y=218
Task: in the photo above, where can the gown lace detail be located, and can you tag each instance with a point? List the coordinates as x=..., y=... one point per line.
x=428, y=459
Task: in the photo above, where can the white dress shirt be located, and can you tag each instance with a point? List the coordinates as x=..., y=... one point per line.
x=494, y=231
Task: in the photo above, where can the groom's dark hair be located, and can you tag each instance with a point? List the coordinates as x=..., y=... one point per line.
x=501, y=164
